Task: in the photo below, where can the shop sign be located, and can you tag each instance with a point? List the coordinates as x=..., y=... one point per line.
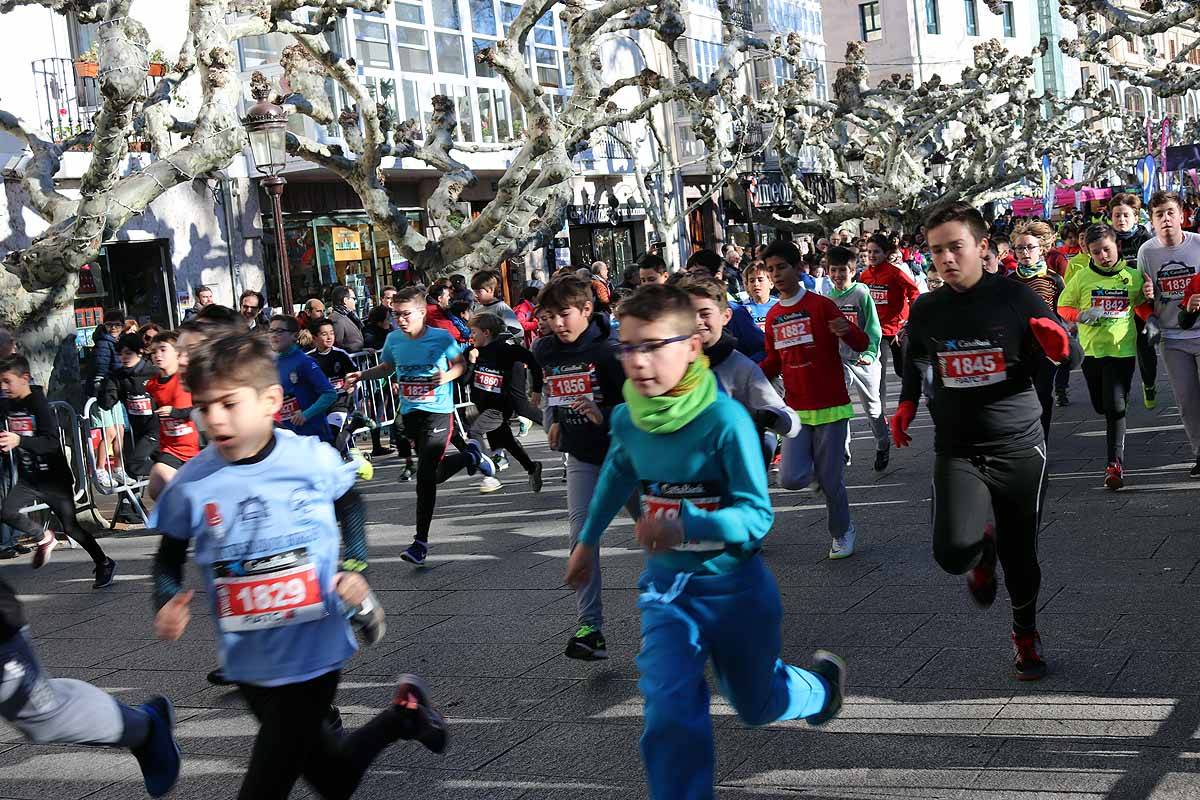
x=603, y=214
x=398, y=261
x=769, y=189
x=347, y=244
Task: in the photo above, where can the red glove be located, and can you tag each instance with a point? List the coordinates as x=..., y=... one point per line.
x=905, y=414
x=1052, y=338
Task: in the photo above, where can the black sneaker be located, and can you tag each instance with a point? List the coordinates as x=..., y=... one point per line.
x=535, y=477
x=159, y=756
x=587, y=644
x=1062, y=398
x=104, y=573
x=381, y=451
x=8, y=552
x=832, y=670
x=415, y=554
x=1195, y=471
x=217, y=678
x=407, y=473
x=412, y=698
x=882, y=458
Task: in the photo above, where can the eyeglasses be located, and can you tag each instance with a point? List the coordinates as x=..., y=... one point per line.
x=646, y=348
x=1027, y=248
x=406, y=314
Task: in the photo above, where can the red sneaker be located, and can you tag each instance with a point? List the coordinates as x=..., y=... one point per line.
x=1114, y=477
x=1028, y=664
x=981, y=581
x=44, y=548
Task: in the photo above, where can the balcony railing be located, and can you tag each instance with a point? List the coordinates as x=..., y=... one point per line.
x=66, y=101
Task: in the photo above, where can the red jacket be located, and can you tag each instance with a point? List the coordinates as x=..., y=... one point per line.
x=801, y=347
x=1008, y=262
x=527, y=315
x=435, y=317
x=893, y=291
x=1057, y=262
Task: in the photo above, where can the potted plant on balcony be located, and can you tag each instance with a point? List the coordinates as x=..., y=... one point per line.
x=158, y=64
x=87, y=65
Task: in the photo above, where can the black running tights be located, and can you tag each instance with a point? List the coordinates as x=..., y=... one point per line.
x=1109, y=381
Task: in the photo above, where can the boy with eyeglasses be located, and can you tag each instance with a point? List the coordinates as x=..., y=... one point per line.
x=307, y=393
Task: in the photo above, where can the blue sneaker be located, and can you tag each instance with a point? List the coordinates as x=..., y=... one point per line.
x=478, y=462
x=159, y=755
x=415, y=554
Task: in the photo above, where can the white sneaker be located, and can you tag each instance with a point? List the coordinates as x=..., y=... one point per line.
x=104, y=481
x=842, y=547
x=121, y=478
x=489, y=485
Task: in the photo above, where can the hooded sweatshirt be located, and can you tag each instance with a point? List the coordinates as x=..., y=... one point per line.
x=128, y=385
x=741, y=379
x=586, y=367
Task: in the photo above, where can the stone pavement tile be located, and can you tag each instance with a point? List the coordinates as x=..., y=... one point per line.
x=54, y=654
x=474, y=743
x=1161, y=633
x=514, y=629
x=384, y=782
x=485, y=602
x=1160, y=672
x=1141, y=571
x=865, y=766
x=48, y=623
x=618, y=603
x=129, y=626
x=34, y=772
x=1082, y=716
x=1153, y=600
x=825, y=599
x=577, y=751
x=135, y=685
x=202, y=778
x=985, y=627
x=990, y=668
x=607, y=699
x=480, y=660
x=1121, y=539
x=833, y=630
x=621, y=663
x=920, y=712
x=390, y=572
x=217, y=732
x=184, y=654
x=593, y=790
x=511, y=573
x=457, y=698
x=878, y=667
x=911, y=599
x=397, y=601
x=795, y=568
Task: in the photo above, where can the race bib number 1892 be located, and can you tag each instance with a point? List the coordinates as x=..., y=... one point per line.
x=967, y=369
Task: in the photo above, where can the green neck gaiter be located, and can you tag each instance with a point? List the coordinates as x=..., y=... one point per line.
x=667, y=413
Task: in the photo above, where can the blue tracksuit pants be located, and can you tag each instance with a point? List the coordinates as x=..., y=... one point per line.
x=734, y=619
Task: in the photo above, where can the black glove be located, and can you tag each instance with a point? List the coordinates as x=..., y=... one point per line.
x=765, y=420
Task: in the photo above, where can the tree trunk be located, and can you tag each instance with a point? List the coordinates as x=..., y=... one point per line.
x=47, y=339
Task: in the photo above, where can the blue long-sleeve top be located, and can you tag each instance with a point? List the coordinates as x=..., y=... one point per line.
x=749, y=336
x=710, y=472
x=305, y=387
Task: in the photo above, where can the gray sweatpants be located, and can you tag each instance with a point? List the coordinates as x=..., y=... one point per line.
x=581, y=485
x=866, y=379
x=1182, y=357
x=488, y=420
x=818, y=451
x=61, y=710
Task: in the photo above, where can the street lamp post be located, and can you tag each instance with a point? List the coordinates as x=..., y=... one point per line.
x=939, y=168
x=266, y=125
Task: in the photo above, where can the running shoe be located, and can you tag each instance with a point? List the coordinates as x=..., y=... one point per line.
x=587, y=644
x=407, y=473
x=526, y=425
x=981, y=581
x=366, y=470
x=354, y=565
x=535, y=477
x=489, y=485
x=1149, y=396
x=121, y=478
x=842, y=546
x=882, y=459
x=217, y=678
x=415, y=554
x=104, y=481
x=832, y=671
x=1062, y=398
x=1114, y=476
x=381, y=451
x=159, y=756
x=412, y=698
x=7, y=553
x=104, y=574
x=500, y=460
x=367, y=619
x=477, y=461
x=41, y=554
x=1028, y=663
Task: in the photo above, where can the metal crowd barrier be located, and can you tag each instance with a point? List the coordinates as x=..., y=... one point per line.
x=378, y=400
x=127, y=494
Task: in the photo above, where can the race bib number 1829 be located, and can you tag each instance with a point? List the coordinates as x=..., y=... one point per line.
x=270, y=592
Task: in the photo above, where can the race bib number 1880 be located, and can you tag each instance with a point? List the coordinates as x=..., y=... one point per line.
x=269, y=592
x=967, y=369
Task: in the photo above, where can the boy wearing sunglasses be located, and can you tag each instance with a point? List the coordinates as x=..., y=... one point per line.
x=692, y=453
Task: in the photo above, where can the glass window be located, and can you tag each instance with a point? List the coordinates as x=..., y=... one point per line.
x=518, y=115
x=487, y=121
x=450, y=58
x=568, y=78
x=445, y=14
x=374, y=49
x=483, y=16
x=425, y=97
x=407, y=12
x=466, y=118
x=508, y=12
x=1010, y=24
x=545, y=56
x=256, y=50
x=931, y=17
x=870, y=21
x=972, y=17
x=412, y=105
x=412, y=48
x=566, y=40
x=502, y=129
x=544, y=36
x=482, y=70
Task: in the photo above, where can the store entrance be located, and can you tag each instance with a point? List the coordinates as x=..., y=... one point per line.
x=141, y=281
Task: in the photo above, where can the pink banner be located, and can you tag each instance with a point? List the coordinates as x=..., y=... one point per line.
x=1031, y=207
x=1166, y=136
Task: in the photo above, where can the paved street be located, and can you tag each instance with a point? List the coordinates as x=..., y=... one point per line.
x=932, y=711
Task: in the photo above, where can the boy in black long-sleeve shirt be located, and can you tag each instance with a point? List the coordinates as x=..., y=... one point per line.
x=30, y=437
x=126, y=383
x=491, y=382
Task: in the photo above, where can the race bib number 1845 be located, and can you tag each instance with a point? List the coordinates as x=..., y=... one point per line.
x=967, y=369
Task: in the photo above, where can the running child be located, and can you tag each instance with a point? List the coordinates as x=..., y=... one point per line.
x=738, y=376
x=1103, y=299
x=582, y=381
x=491, y=379
x=1124, y=210
x=805, y=332
x=692, y=454
x=893, y=290
x=1031, y=241
x=486, y=286
x=336, y=364
x=179, y=442
x=307, y=393
x=31, y=438
x=266, y=543
x=985, y=337
x=863, y=369
x=425, y=361
x=126, y=383
x=758, y=285
x=49, y=710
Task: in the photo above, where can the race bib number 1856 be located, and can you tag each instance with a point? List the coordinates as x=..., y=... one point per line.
x=564, y=388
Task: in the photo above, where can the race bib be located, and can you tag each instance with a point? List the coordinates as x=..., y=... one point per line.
x=290, y=406
x=967, y=369
x=664, y=500
x=419, y=389
x=879, y=294
x=1173, y=280
x=268, y=592
x=21, y=424
x=488, y=380
x=339, y=384
x=793, y=329
x=570, y=384
x=176, y=427
x=140, y=405
x=1111, y=303
x=851, y=314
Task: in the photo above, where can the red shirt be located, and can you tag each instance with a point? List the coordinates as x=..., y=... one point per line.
x=893, y=290
x=175, y=436
x=1057, y=262
x=801, y=347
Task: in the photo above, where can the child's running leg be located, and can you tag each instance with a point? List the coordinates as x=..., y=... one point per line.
x=828, y=445
x=351, y=511
x=588, y=642
x=796, y=465
x=61, y=500
x=502, y=438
